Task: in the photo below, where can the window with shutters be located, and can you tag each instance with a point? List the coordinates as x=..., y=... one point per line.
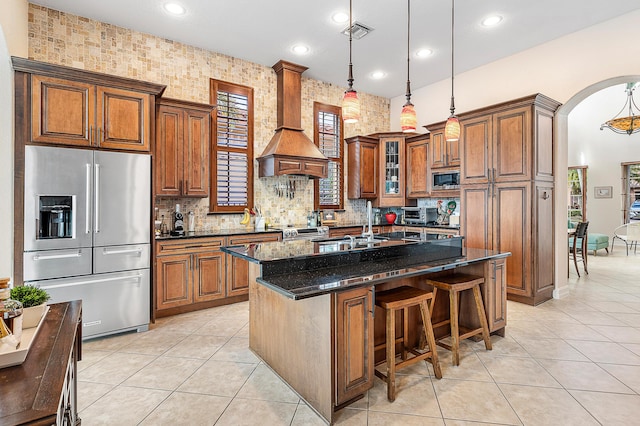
x=327, y=135
x=231, y=148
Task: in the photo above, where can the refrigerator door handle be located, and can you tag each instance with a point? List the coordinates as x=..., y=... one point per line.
x=137, y=250
x=56, y=256
x=137, y=277
x=96, y=204
x=87, y=207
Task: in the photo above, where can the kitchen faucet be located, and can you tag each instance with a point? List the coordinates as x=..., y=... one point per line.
x=368, y=234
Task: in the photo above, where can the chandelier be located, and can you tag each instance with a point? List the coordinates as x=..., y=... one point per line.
x=629, y=124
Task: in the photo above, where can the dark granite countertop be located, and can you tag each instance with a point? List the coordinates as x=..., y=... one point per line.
x=300, y=268
x=217, y=233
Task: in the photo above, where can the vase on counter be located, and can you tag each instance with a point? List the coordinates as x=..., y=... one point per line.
x=31, y=316
x=391, y=217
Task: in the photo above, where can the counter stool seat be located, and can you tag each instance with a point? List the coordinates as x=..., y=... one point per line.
x=401, y=299
x=455, y=284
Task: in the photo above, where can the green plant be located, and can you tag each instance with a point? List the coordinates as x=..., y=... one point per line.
x=29, y=295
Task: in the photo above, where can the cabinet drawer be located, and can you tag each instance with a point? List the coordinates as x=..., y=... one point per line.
x=192, y=245
x=255, y=238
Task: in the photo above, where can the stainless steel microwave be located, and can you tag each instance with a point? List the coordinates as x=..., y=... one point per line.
x=446, y=180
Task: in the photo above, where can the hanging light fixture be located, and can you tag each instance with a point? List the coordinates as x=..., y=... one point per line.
x=629, y=124
x=350, y=101
x=408, y=119
x=452, y=128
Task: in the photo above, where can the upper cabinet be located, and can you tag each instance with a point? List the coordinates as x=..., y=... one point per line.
x=508, y=142
x=392, y=171
x=443, y=153
x=182, y=148
x=68, y=106
x=418, y=166
x=362, y=169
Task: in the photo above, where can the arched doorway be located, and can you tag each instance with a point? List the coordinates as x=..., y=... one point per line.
x=560, y=170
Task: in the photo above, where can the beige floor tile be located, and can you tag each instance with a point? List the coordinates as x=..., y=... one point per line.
x=187, y=409
x=612, y=307
x=502, y=346
x=518, y=371
x=264, y=384
x=89, y=392
x=218, y=378
x=633, y=347
x=450, y=422
x=583, y=376
x=474, y=401
x=153, y=342
x=546, y=406
x=244, y=332
x=577, y=332
x=470, y=368
x=90, y=357
x=350, y=417
x=610, y=408
x=606, y=352
x=244, y=412
x=619, y=334
x=110, y=343
x=414, y=395
x=237, y=350
x=197, y=346
x=183, y=324
x=596, y=318
x=222, y=326
x=123, y=406
x=552, y=349
x=164, y=373
x=115, y=368
x=632, y=319
x=305, y=416
x=393, y=419
x=627, y=374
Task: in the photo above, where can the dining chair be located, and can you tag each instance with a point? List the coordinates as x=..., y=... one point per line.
x=629, y=233
x=579, y=247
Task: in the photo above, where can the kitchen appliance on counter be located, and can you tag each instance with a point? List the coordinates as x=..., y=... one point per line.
x=87, y=226
x=178, y=222
x=420, y=215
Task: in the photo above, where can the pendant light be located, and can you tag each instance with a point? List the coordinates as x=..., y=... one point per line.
x=408, y=119
x=629, y=124
x=350, y=101
x=452, y=128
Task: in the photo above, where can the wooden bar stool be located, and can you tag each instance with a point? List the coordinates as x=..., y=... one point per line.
x=455, y=284
x=401, y=299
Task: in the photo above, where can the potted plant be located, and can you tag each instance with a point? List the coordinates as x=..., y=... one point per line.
x=33, y=301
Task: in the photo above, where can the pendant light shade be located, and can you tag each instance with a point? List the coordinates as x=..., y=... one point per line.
x=408, y=118
x=350, y=101
x=452, y=128
x=629, y=124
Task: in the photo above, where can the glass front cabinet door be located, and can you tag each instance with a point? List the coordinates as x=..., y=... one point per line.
x=392, y=150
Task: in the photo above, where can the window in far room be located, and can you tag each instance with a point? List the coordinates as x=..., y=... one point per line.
x=327, y=135
x=631, y=191
x=231, y=148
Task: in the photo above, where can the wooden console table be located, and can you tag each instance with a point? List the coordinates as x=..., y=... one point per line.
x=43, y=389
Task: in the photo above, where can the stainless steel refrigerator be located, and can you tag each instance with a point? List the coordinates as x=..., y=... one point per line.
x=87, y=233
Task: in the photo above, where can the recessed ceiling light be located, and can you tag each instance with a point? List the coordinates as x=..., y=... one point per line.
x=300, y=49
x=340, y=17
x=490, y=21
x=174, y=8
x=423, y=53
x=377, y=75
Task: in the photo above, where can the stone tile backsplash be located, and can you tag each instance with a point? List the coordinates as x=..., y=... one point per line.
x=79, y=42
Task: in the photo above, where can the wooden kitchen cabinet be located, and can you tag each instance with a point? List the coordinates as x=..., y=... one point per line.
x=354, y=343
x=237, y=283
x=363, y=165
x=512, y=141
x=417, y=167
x=189, y=271
x=443, y=153
x=182, y=148
x=392, y=176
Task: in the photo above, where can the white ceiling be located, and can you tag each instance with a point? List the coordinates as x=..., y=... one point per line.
x=263, y=31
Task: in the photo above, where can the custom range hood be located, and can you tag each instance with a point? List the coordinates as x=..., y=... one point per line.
x=290, y=151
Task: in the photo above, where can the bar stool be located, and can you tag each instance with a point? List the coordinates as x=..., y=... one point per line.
x=401, y=299
x=455, y=284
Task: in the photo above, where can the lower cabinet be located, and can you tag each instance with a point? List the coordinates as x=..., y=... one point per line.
x=354, y=343
x=495, y=294
x=193, y=273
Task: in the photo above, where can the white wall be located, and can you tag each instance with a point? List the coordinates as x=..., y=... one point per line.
x=14, y=20
x=602, y=151
x=6, y=160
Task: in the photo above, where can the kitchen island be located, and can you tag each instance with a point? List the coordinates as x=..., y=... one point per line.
x=312, y=306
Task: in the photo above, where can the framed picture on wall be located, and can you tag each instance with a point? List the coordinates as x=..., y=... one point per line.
x=603, y=192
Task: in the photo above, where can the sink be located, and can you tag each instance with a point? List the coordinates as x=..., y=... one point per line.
x=357, y=240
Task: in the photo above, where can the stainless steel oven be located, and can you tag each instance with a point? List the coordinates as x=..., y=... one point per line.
x=420, y=215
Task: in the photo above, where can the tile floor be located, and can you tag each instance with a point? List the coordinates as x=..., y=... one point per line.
x=574, y=361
